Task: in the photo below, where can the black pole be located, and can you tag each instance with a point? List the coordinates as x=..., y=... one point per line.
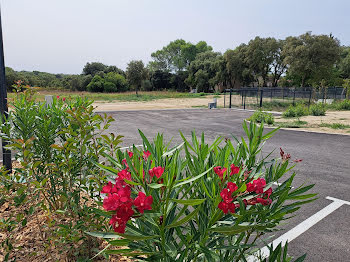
x=310, y=92
x=6, y=154
x=245, y=95
x=230, y=104
x=294, y=97
x=224, y=97
x=261, y=97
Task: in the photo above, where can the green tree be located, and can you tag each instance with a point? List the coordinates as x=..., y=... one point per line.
x=93, y=68
x=96, y=84
x=260, y=53
x=136, y=73
x=118, y=80
x=344, y=64
x=202, y=72
x=177, y=55
x=311, y=58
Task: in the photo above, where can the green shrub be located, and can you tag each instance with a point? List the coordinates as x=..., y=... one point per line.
x=296, y=111
x=118, y=80
x=199, y=201
x=262, y=117
x=109, y=87
x=318, y=109
x=56, y=146
x=96, y=84
x=343, y=105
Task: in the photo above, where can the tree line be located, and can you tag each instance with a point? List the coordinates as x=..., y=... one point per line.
x=298, y=61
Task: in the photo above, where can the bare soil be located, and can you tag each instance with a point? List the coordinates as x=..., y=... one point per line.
x=314, y=122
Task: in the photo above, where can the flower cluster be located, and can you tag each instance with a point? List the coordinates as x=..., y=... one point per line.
x=226, y=194
x=257, y=186
x=119, y=200
x=220, y=171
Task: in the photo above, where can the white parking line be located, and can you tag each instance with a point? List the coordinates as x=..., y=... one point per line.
x=127, y=147
x=303, y=226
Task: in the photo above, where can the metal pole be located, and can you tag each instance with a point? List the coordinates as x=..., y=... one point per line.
x=245, y=95
x=6, y=154
x=310, y=92
x=261, y=97
x=224, y=98
x=294, y=97
x=230, y=104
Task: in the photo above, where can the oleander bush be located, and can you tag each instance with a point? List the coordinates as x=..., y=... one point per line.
x=199, y=201
x=55, y=146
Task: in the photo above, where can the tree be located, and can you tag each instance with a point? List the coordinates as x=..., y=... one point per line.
x=96, y=84
x=311, y=58
x=202, y=71
x=177, y=55
x=160, y=80
x=118, y=80
x=344, y=64
x=93, y=68
x=259, y=56
x=136, y=73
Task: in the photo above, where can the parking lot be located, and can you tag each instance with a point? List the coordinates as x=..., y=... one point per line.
x=321, y=229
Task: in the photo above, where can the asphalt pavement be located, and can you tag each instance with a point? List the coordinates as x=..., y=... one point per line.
x=326, y=163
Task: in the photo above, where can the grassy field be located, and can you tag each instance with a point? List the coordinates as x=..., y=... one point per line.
x=109, y=97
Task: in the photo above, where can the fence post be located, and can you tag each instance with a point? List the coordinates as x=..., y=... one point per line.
x=261, y=97
x=230, y=104
x=271, y=94
x=310, y=93
x=245, y=95
x=224, y=97
x=242, y=96
x=294, y=97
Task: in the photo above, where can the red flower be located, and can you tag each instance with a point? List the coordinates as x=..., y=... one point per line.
x=111, y=202
x=226, y=195
x=130, y=154
x=284, y=156
x=124, y=174
x=156, y=171
x=109, y=188
x=58, y=97
x=143, y=202
x=259, y=185
x=64, y=99
x=234, y=170
x=250, y=187
x=125, y=163
x=146, y=154
x=220, y=171
x=226, y=207
x=232, y=187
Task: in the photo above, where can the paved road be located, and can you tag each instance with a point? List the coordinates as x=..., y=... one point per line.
x=326, y=162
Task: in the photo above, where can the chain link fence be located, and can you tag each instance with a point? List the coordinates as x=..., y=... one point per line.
x=266, y=97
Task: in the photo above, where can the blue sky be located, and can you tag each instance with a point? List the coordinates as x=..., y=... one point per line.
x=60, y=36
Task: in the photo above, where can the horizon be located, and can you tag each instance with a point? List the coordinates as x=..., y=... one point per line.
x=63, y=40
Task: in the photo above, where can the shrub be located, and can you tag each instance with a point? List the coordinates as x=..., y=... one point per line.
x=56, y=146
x=118, y=80
x=262, y=117
x=198, y=201
x=109, y=87
x=296, y=111
x=343, y=105
x=96, y=84
x=318, y=109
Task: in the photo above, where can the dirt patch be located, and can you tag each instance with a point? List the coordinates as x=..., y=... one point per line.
x=169, y=103
x=314, y=122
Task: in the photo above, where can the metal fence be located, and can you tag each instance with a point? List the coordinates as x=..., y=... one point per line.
x=248, y=97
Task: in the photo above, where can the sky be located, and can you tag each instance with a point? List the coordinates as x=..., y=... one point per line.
x=61, y=36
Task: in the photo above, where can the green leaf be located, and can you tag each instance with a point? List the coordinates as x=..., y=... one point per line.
x=132, y=182
x=231, y=230
x=138, y=237
x=193, y=178
x=185, y=219
x=189, y=202
x=104, y=235
x=155, y=186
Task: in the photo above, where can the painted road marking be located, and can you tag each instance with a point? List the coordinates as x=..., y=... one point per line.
x=303, y=226
x=127, y=147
